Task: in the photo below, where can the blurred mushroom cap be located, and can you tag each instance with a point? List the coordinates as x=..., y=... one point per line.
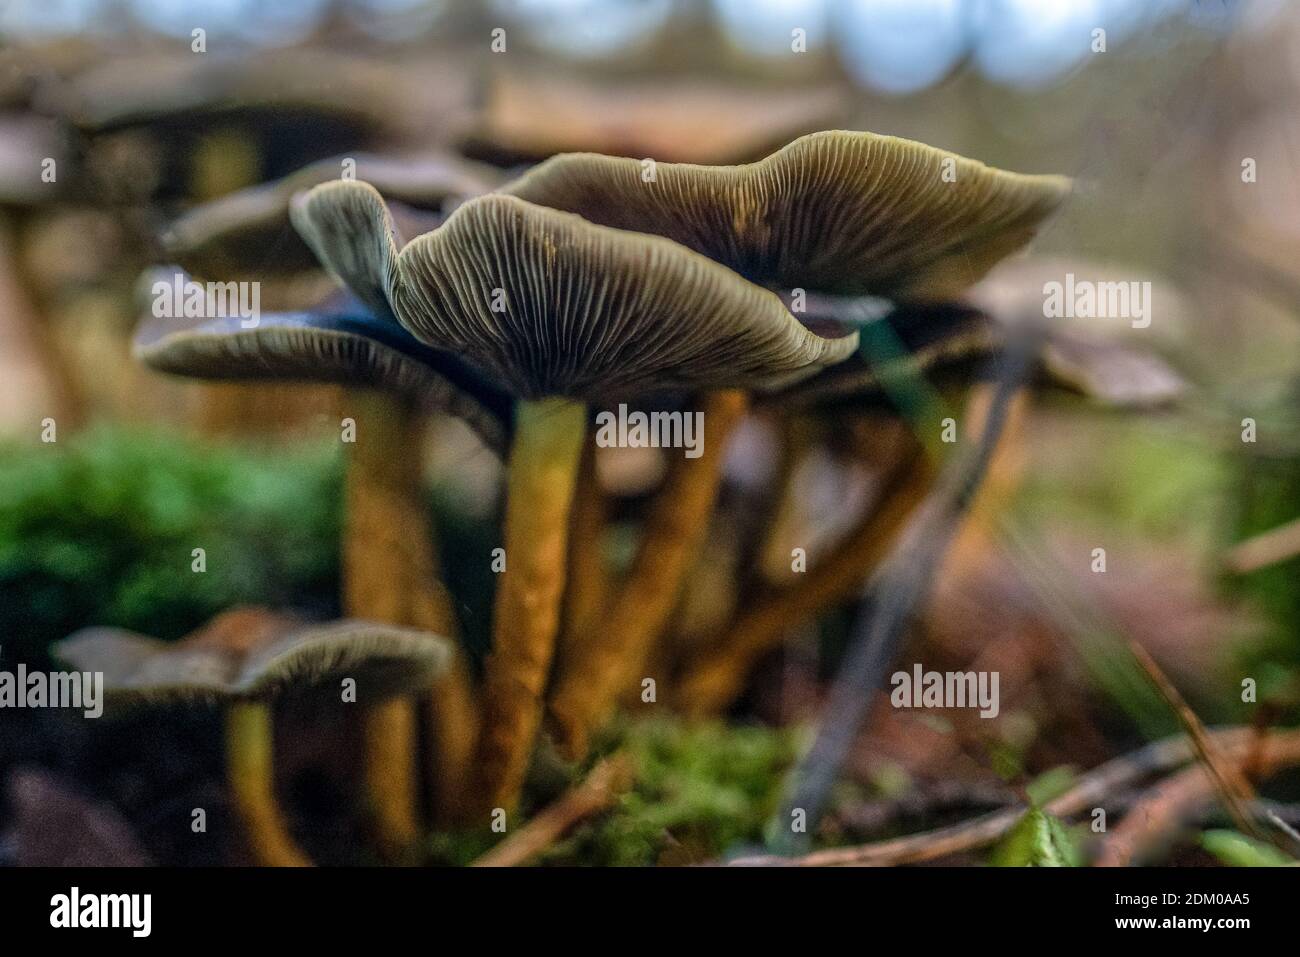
x=348, y=347
x=843, y=212
x=1113, y=360
x=245, y=234
x=380, y=96
x=954, y=342
x=547, y=303
x=254, y=654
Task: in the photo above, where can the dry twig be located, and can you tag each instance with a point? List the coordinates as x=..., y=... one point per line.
x=1092, y=789
x=598, y=792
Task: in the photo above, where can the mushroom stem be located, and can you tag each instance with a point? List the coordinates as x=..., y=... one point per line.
x=716, y=678
x=541, y=477
x=390, y=732
x=250, y=749
x=608, y=660
x=390, y=576
x=588, y=582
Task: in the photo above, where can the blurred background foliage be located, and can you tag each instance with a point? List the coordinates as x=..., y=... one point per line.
x=104, y=532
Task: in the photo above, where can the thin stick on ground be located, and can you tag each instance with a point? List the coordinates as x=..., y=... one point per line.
x=1268, y=548
x=895, y=592
x=1092, y=789
x=1177, y=799
x=1233, y=787
x=597, y=793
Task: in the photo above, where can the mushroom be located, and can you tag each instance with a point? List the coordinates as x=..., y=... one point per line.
x=229, y=236
x=838, y=212
x=346, y=101
x=245, y=660
x=340, y=343
x=561, y=312
x=390, y=572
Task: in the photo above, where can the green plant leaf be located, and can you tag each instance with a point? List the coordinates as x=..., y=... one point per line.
x=1037, y=840
x=1237, y=850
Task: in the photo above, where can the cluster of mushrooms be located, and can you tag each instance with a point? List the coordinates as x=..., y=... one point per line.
x=532, y=305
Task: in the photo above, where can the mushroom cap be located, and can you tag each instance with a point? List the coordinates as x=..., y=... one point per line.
x=1107, y=360
x=349, y=348
x=843, y=212
x=955, y=341
x=231, y=236
x=378, y=97
x=547, y=303
x=944, y=341
x=257, y=657
x=1118, y=374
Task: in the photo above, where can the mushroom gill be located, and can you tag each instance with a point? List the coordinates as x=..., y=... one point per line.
x=844, y=212
x=344, y=346
x=549, y=304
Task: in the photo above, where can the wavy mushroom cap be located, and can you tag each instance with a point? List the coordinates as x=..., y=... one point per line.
x=547, y=303
x=247, y=232
x=260, y=660
x=352, y=349
x=843, y=212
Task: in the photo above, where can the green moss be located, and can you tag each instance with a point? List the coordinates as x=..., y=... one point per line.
x=101, y=529
x=700, y=790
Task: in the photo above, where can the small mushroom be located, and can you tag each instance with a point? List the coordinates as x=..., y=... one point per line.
x=390, y=570
x=245, y=660
x=560, y=312
x=838, y=212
